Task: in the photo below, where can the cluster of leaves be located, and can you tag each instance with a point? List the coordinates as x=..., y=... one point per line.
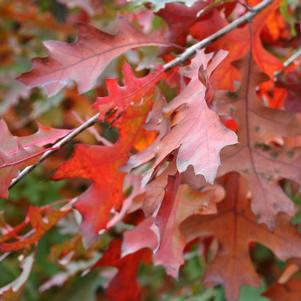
x=192, y=171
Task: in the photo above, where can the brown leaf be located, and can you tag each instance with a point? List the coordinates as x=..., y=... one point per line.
x=238, y=42
x=41, y=221
x=290, y=291
x=235, y=227
x=256, y=157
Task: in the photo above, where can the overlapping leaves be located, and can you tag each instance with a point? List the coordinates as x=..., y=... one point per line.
x=165, y=181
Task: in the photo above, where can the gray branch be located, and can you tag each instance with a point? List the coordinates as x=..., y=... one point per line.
x=205, y=42
x=55, y=147
x=288, y=62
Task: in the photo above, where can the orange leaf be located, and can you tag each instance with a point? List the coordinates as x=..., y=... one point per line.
x=102, y=164
x=238, y=43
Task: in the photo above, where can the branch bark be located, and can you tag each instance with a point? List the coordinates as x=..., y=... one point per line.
x=180, y=59
x=289, y=61
x=205, y=42
x=54, y=148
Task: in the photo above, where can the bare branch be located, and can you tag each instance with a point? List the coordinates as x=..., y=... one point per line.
x=205, y=42
x=180, y=59
x=289, y=61
x=93, y=131
x=55, y=147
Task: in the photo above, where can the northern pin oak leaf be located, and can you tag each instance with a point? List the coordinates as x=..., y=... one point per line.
x=235, y=227
x=173, y=138
x=119, y=288
x=196, y=131
x=161, y=232
x=291, y=82
x=121, y=97
x=41, y=221
x=290, y=291
x=237, y=43
x=84, y=60
x=102, y=164
x=180, y=18
x=256, y=156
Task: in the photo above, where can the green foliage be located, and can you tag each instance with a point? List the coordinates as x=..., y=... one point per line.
x=36, y=191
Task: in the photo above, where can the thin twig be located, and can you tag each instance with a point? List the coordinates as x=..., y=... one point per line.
x=180, y=59
x=205, y=42
x=93, y=131
x=55, y=147
x=14, y=163
x=288, y=62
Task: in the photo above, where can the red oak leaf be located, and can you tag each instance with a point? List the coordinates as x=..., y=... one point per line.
x=84, y=60
x=120, y=97
x=290, y=291
x=156, y=122
x=256, y=157
x=132, y=203
x=41, y=221
x=291, y=82
x=235, y=227
x=180, y=18
x=197, y=132
x=119, y=288
x=238, y=42
x=102, y=164
x=19, y=152
x=161, y=232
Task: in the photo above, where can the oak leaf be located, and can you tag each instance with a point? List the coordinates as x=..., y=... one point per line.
x=291, y=83
x=84, y=60
x=120, y=97
x=102, y=164
x=290, y=291
x=197, y=132
x=235, y=227
x=237, y=42
x=180, y=18
x=41, y=221
x=161, y=232
x=256, y=157
x=119, y=288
